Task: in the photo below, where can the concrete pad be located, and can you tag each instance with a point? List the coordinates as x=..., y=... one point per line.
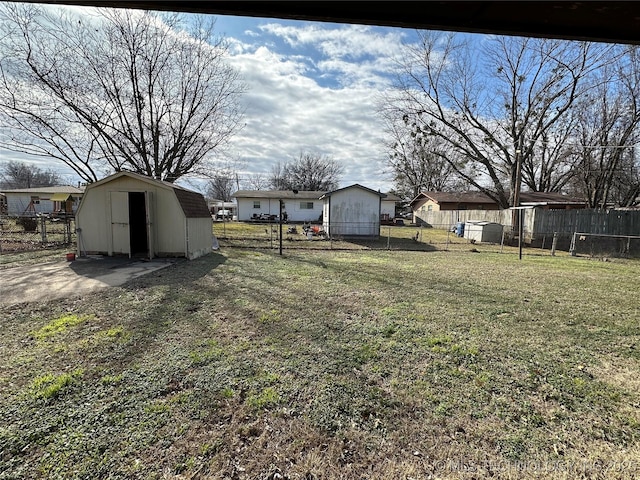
x=47, y=281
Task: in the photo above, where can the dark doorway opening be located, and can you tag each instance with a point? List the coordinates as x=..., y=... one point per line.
x=138, y=224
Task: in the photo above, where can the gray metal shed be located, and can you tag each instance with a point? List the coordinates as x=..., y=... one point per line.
x=483, y=231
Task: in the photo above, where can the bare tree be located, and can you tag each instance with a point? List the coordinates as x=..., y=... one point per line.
x=115, y=90
x=276, y=179
x=607, y=169
x=418, y=162
x=256, y=181
x=22, y=175
x=309, y=171
x=506, y=98
x=221, y=187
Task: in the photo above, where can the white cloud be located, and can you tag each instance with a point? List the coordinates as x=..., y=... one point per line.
x=351, y=41
x=311, y=87
x=320, y=98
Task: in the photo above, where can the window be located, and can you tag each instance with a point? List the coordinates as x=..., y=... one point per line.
x=256, y=204
x=35, y=200
x=430, y=208
x=306, y=205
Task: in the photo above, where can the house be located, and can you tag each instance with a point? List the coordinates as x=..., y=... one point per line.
x=439, y=201
x=352, y=211
x=388, y=207
x=299, y=206
x=43, y=200
x=135, y=215
x=444, y=209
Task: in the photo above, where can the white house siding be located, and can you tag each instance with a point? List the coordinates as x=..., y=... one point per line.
x=18, y=202
x=388, y=207
x=271, y=206
x=246, y=211
x=353, y=212
x=297, y=214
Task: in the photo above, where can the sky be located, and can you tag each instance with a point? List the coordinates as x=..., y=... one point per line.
x=312, y=87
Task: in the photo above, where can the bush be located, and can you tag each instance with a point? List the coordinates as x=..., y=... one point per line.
x=29, y=224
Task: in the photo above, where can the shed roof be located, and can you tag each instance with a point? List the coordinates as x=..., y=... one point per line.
x=192, y=203
x=355, y=185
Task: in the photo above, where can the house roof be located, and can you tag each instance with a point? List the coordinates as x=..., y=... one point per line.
x=192, y=203
x=279, y=194
x=455, y=197
x=48, y=190
x=541, y=198
x=392, y=198
x=526, y=198
x=355, y=185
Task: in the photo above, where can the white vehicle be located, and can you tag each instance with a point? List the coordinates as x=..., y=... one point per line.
x=222, y=214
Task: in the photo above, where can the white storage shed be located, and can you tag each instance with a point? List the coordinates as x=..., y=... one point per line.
x=483, y=231
x=352, y=211
x=135, y=215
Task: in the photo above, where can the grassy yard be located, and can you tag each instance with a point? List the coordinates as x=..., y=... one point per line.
x=331, y=365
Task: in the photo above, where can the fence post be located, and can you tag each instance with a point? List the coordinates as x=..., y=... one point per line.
x=554, y=243
x=572, y=248
x=388, y=238
x=70, y=240
x=43, y=229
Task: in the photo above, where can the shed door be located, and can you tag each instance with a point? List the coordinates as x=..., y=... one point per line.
x=120, y=223
x=150, y=220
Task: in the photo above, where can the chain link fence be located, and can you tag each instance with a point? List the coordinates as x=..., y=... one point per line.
x=28, y=233
x=348, y=236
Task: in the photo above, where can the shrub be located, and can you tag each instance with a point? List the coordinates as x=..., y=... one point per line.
x=29, y=224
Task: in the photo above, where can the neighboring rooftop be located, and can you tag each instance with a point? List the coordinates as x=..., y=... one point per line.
x=276, y=194
x=56, y=189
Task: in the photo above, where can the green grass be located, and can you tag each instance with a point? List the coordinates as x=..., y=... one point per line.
x=331, y=364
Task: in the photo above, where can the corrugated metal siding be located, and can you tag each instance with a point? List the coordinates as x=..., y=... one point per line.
x=354, y=212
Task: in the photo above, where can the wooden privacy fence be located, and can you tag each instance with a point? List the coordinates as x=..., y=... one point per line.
x=539, y=223
x=607, y=222
x=540, y=226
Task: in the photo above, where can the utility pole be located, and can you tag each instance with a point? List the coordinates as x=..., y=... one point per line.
x=516, y=192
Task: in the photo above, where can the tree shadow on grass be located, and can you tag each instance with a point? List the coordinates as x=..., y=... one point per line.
x=394, y=243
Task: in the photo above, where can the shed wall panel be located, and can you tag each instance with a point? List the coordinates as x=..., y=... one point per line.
x=200, y=237
x=354, y=212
